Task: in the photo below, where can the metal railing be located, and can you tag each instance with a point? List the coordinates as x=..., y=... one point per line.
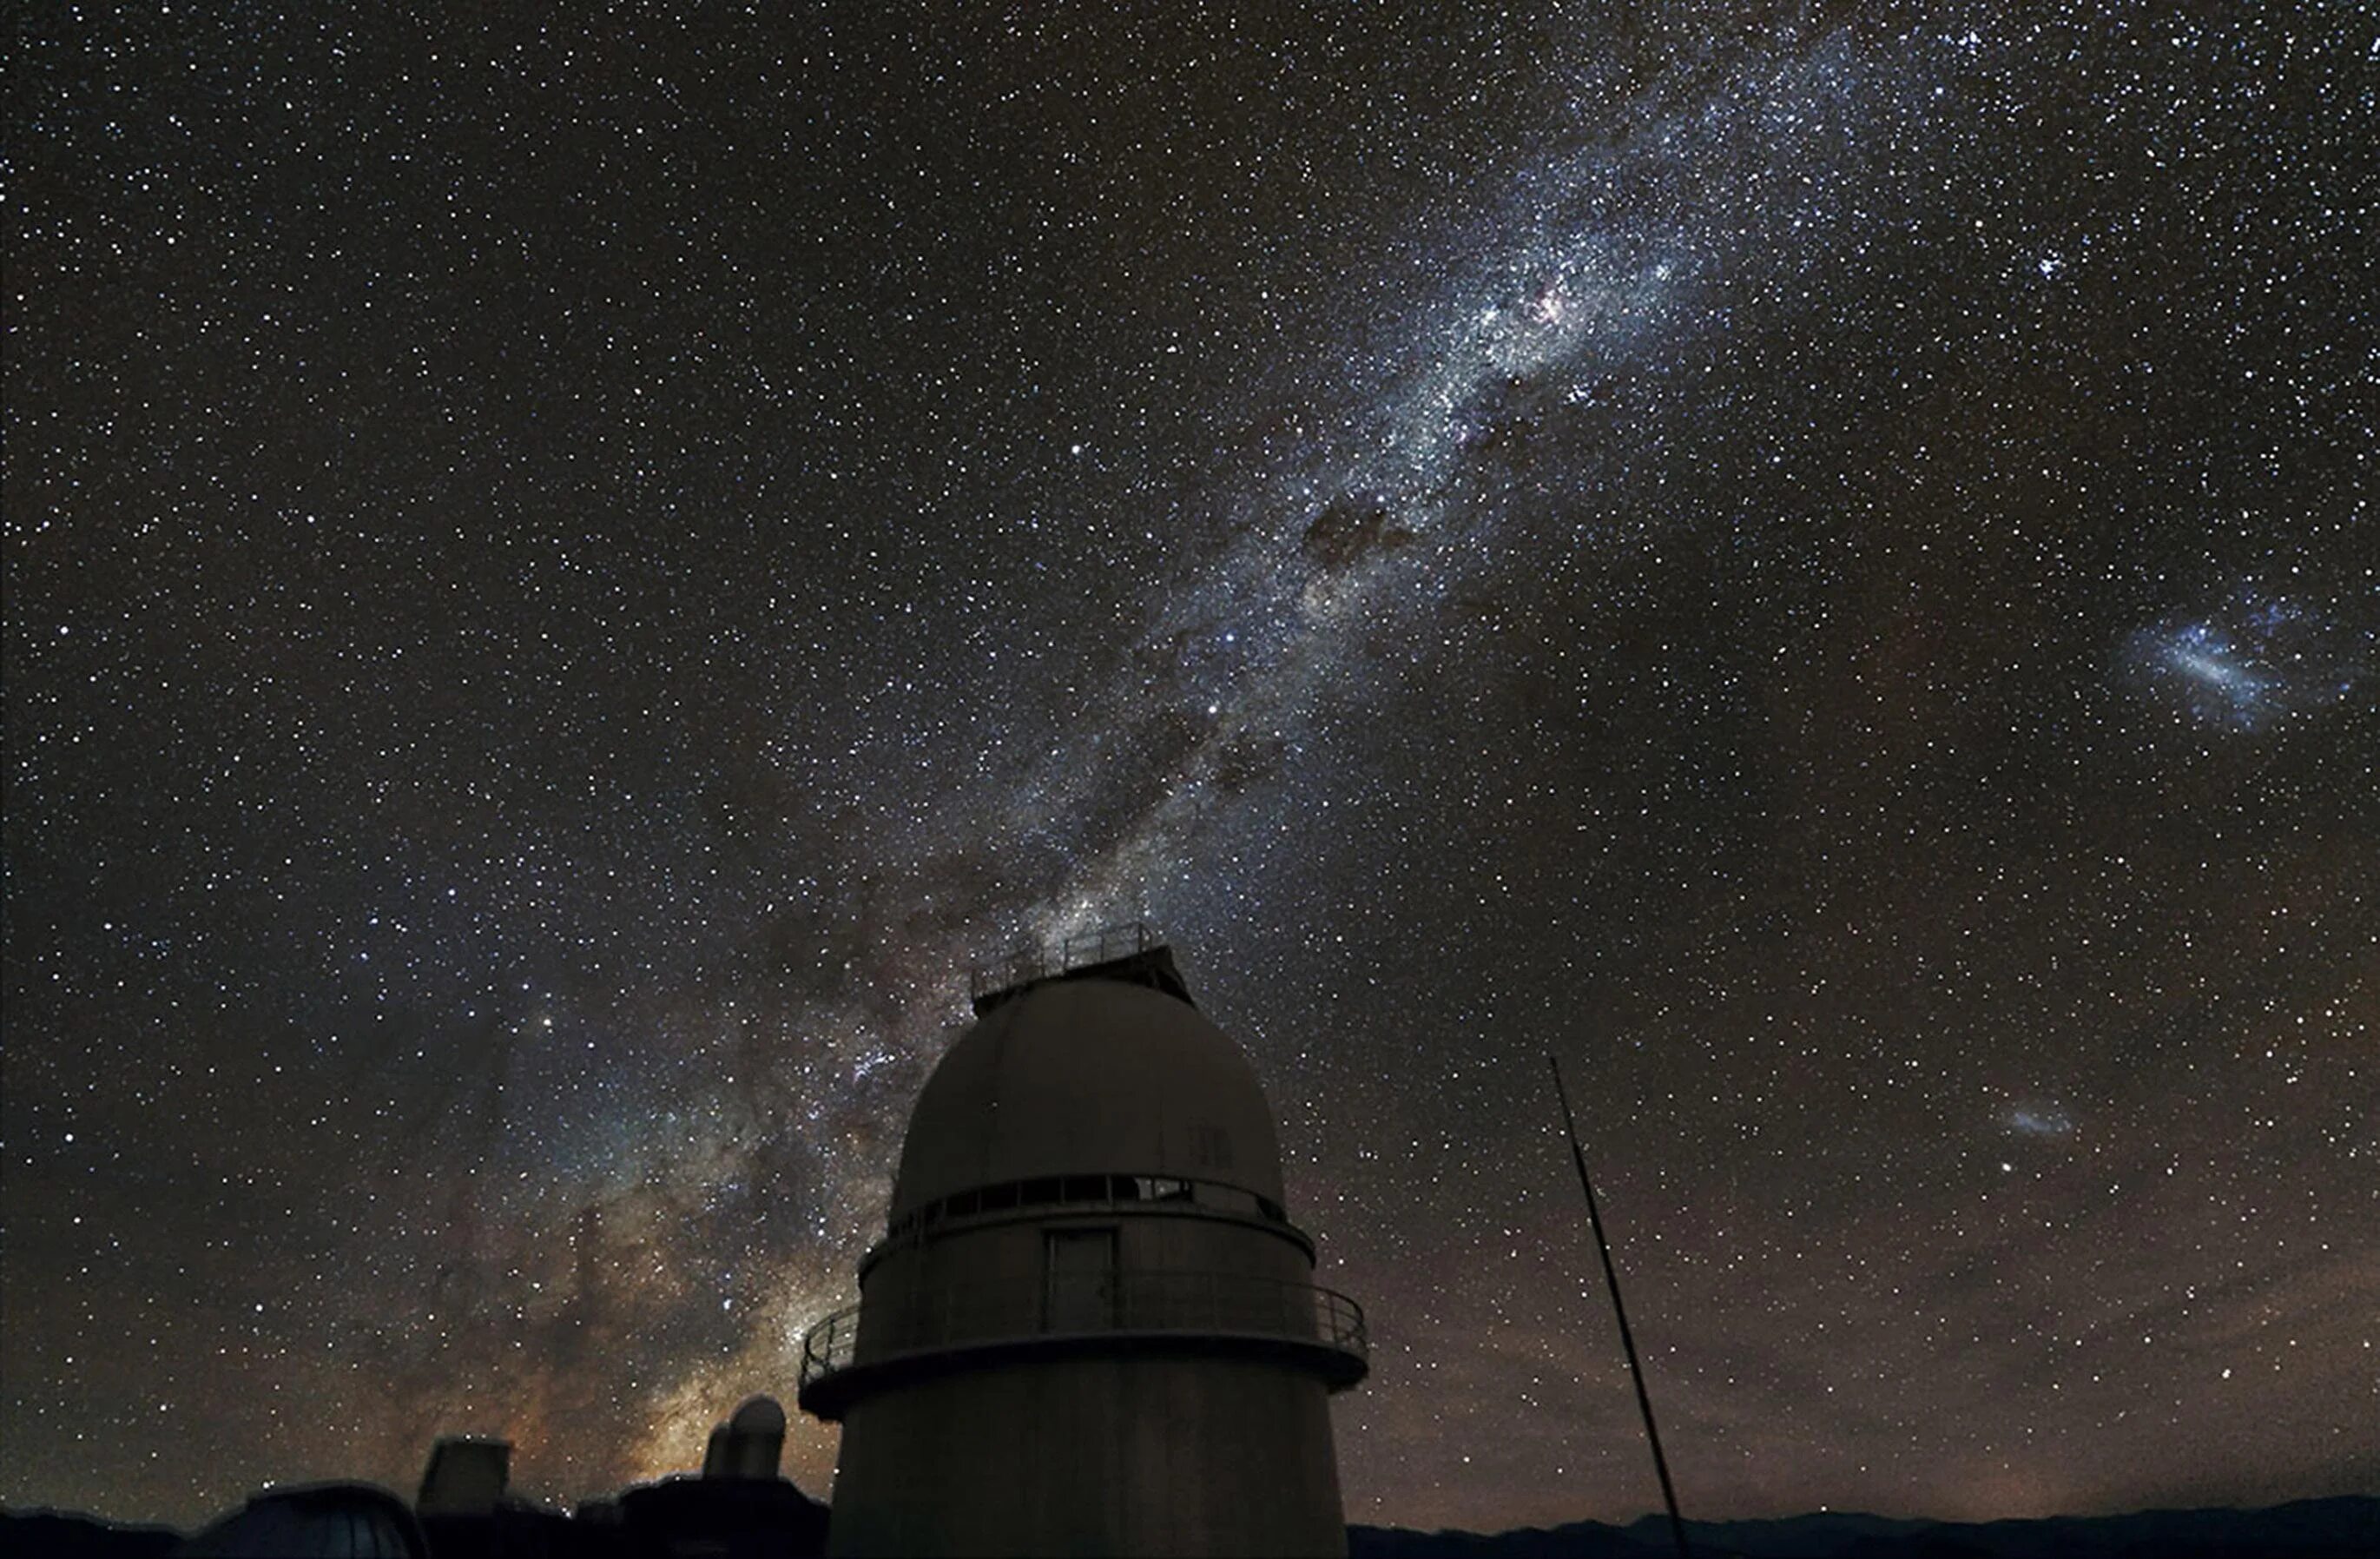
x=1186, y=1304
x=1080, y=951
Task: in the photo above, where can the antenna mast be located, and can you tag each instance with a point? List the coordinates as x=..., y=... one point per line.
x=1627, y=1339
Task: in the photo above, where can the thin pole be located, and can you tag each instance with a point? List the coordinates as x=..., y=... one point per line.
x=1627, y=1339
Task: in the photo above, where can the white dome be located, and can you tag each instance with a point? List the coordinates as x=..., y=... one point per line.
x=1089, y=1077
x=759, y=1415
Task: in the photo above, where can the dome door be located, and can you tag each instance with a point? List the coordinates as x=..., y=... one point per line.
x=1080, y=1292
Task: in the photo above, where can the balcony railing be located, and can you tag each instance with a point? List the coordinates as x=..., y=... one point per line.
x=1220, y=1307
x=1080, y=951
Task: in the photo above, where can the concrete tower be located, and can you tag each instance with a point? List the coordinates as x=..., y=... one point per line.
x=1090, y=1327
x=466, y=1477
x=749, y=1444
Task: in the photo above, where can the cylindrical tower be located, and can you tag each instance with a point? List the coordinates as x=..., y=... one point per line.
x=1090, y=1327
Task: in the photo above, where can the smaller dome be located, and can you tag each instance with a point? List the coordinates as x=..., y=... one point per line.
x=347, y=1520
x=760, y=1416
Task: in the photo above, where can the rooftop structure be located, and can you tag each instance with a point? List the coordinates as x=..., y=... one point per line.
x=466, y=1476
x=1129, y=952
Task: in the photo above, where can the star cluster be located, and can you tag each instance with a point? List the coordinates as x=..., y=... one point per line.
x=566, y=576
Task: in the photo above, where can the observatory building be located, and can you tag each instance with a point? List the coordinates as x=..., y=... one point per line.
x=1091, y=1326
x=749, y=1444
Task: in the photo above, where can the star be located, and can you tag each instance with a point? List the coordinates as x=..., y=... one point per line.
x=1819, y=569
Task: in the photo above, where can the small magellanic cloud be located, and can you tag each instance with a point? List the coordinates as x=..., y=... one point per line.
x=2038, y=1120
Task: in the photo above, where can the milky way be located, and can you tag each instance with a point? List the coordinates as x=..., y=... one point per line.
x=564, y=581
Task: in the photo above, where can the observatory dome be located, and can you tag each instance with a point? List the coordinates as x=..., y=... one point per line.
x=759, y=1415
x=358, y=1519
x=1089, y=1076
x=1091, y=1326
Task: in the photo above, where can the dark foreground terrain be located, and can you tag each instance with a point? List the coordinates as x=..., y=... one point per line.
x=2345, y=1528
x=2327, y=1528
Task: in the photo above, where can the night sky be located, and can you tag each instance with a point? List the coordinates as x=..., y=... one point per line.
x=567, y=578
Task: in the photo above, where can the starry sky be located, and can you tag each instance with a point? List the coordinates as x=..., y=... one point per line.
x=569, y=570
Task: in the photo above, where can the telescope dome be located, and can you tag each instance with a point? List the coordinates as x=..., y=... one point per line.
x=759, y=1415
x=1089, y=1076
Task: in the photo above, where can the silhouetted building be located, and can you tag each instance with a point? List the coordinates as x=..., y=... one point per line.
x=1091, y=1326
x=721, y=1518
x=749, y=1444
x=466, y=1476
x=740, y=1508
